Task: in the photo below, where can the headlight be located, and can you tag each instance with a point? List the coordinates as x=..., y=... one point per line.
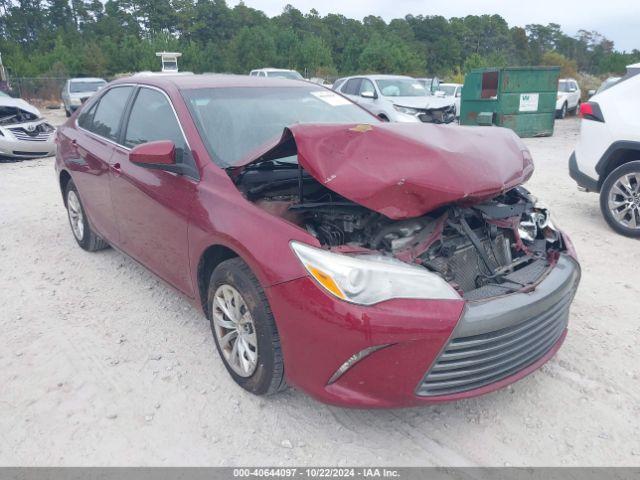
x=367, y=279
x=407, y=110
x=538, y=224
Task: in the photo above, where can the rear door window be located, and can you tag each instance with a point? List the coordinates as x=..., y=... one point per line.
x=152, y=119
x=105, y=121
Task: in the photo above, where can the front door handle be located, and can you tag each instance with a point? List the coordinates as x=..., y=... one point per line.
x=115, y=167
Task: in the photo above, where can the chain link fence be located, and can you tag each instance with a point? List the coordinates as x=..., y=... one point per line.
x=38, y=89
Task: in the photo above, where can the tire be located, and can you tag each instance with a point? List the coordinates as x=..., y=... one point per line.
x=563, y=111
x=383, y=117
x=265, y=374
x=67, y=113
x=80, y=227
x=627, y=203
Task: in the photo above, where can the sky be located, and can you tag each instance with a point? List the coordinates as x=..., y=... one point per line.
x=618, y=20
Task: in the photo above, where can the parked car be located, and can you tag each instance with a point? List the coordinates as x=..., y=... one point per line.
x=23, y=131
x=568, y=99
x=395, y=98
x=369, y=264
x=77, y=90
x=276, y=73
x=452, y=91
x=608, y=83
x=606, y=159
x=432, y=84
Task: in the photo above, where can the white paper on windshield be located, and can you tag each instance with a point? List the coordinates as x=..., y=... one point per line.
x=331, y=98
x=529, y=102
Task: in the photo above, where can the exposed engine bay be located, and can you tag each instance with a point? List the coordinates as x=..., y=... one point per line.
x=486, y=249
x=10, y=115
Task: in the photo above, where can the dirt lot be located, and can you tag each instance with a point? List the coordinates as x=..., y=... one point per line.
x=101, y=363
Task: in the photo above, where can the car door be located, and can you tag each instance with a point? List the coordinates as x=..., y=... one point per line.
x=94, y=141
x=367, y=95
x=153, y=206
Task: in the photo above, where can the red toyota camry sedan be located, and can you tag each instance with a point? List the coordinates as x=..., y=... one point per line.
x=369, y=264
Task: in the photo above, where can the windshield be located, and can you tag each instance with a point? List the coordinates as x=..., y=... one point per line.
x=286, y=74
x=401, y=87
x=234, y=122
x=564, y=87
x=449, y=90
x=608, y=83
x=86, y=86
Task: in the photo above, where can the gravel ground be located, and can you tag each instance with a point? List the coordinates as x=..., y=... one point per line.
x=102, y=363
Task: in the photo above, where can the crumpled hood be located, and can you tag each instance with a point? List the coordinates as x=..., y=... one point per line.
x=19, y=103
x=430, y=101
x=408, y=170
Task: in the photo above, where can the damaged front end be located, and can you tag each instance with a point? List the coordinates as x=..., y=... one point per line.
x=12, y=115
x=426, y=213
x=443, y=207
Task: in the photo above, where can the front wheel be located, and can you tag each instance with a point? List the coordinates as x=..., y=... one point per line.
x=244, y=329
x=563, y=111
x=620, y=199
x=84, y=235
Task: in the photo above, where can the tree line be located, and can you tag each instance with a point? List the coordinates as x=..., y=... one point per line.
x=96, y=38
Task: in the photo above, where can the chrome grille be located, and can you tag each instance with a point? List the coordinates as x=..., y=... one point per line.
x=474, y=361
x=37, y=136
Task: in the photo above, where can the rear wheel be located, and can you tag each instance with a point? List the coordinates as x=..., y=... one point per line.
x=620, y=199
x=244, y=329
x=84, y=235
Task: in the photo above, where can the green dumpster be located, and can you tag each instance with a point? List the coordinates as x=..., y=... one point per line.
x=520, y=98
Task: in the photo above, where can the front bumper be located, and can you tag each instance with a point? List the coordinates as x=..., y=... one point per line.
x=319, y=333
x=582, y=179
x=11, y=146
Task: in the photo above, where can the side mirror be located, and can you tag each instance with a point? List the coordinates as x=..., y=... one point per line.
x=573, y=90
x=159, y=155
x=368, y=94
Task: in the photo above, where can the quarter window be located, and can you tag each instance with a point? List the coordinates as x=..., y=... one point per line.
x=152, y=119
x=105, y=120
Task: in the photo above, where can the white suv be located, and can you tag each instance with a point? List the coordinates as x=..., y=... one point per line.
x=276, y=73
x=607, y=156
x=568, y=99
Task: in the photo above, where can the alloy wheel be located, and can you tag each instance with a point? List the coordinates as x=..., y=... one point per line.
x=75, y=215
x=624, y=200
x=235, y=330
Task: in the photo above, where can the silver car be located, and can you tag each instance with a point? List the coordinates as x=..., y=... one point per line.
x=77, y=90
x=396, y=98
x=23, y=131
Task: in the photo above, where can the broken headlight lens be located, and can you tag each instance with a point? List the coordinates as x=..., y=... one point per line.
x=407, y=110
x=538, y=223
x=369, y=279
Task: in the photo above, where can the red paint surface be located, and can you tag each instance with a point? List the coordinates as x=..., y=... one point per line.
x=407, y=170
x=162, y=152
x=167, y=221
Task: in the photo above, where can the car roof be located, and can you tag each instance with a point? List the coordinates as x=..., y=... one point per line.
x=379, y=76
x=188, y=82
x=269, y=69
x=87, y=79
x=567, y=80
x=451, y=84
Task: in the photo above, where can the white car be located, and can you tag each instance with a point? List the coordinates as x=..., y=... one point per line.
x=568, y=99
x=607, y=156
x=23, y=131
x=77, y=90
x=396, y=98
x=276, y=73
x=453, y=91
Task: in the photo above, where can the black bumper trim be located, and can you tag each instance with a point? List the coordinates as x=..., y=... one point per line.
x=583, y=180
